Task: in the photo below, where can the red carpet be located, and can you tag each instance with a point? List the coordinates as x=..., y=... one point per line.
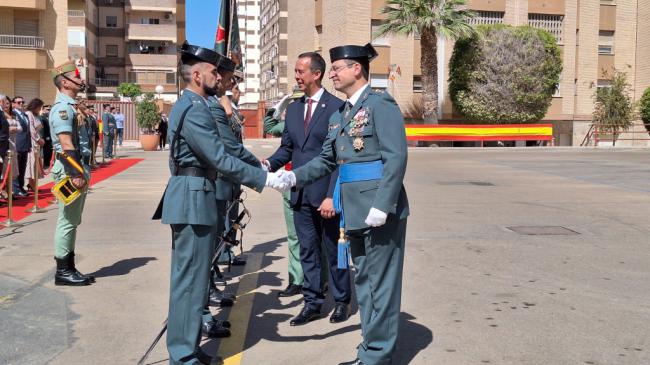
x=45, y=196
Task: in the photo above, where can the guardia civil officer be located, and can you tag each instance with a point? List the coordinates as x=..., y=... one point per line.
x=189, y=204
x=367, y=141
x=65, y=133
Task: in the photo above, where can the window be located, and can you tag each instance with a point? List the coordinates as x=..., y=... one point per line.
x=111, y=50
x=378, y=81
x=417, y=83
x=374, y=29
x=550, y=23
x=604, y=83
x=149, y=21
x=487, y=17
x=606, y=42
x=76, y=38
x=557, y=93
x=111, y=21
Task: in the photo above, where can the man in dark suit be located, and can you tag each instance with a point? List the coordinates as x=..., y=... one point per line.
x=306, y=127
x=23, y=145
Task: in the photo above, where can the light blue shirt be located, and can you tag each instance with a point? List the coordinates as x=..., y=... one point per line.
x=62, y=117
x=119, y=121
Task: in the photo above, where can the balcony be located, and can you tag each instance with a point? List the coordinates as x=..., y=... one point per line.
x=25, y=4
x=21, y=41
x=157, y=60
x=149, y=79
x=76, y=18
x=151, y=32
x=150, y=5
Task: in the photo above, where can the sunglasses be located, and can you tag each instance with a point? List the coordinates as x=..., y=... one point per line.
x=19, y=102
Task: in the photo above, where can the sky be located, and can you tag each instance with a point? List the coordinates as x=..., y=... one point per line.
x=201, y=18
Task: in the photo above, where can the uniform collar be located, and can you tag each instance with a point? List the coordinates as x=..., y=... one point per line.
x=192, y=93
x=355, y=97
x=65, y=98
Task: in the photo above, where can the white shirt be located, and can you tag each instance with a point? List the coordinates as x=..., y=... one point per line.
x=315, y=99
x=355, y=97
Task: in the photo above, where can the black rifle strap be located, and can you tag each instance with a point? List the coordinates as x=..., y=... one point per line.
x=173, y=153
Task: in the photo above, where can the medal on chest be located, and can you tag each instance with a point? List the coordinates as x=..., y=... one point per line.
x=359, y=121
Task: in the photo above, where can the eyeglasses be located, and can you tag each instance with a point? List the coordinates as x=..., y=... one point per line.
x=337, y=69
x=19, y=102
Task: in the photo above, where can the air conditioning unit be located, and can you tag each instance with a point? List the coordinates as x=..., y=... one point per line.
x=168, y=15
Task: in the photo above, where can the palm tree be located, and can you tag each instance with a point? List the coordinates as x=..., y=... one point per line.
x=429, y=19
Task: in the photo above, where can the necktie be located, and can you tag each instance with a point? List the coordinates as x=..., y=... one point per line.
x=308, y=114
x=348, y=107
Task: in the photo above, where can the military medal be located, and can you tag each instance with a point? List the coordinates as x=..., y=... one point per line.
x=358, y=144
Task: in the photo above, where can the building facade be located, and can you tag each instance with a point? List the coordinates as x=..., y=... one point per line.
x=595, y=37
x=248, y=13
x=273, y=49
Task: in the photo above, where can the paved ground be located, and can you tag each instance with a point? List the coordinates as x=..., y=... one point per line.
x=475, y=290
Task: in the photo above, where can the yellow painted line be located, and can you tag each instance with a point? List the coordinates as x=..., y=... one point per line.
x=507, y=131
x=231, y=348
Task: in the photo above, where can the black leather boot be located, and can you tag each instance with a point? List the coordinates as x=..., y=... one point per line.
x=220, y=299
x=65, y=275
x=72, y=266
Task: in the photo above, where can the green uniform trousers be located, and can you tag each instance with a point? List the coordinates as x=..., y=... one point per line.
x=295, y=268
x=192, y=248
x=69, y=217
x=378, y=254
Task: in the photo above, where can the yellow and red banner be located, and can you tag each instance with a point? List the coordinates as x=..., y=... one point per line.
x=479, y=132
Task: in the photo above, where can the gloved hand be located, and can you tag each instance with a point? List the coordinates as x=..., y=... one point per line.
x=376, y=218
x=266, y=166
x=277, y=181
x=288, y=178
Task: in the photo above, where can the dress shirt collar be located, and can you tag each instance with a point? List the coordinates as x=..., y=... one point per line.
x=355, y=97
x=316, y=98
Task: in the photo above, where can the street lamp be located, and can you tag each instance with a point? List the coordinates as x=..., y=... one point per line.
x=159, y=90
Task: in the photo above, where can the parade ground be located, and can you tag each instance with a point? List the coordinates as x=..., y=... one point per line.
x=513, y=256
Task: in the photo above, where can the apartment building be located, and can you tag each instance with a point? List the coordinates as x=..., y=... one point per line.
x=248, y=13
x=595, y=37
x=273, y=49
x=117, y=41
x=30, y=45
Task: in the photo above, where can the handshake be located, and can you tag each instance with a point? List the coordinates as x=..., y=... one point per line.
x=280, y=180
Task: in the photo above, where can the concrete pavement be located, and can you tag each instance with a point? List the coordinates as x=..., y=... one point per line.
x=513, y=256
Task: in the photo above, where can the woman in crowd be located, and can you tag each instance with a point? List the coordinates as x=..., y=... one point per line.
x=34, y=109
x=14, y=129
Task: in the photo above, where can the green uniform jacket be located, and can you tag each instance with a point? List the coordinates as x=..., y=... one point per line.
x=189, y=199
x=384, y=139
x=231, y=137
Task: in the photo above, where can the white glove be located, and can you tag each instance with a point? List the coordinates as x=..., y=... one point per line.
x=281, y=106
x=376, y=218
x=266, y=166
x=272, y=180
x=288, y=178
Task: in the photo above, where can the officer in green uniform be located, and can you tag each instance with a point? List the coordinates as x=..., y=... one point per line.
x=65, y=133
x=189, y=205
x=109, y=126
x=84, y=121
x=368, y=141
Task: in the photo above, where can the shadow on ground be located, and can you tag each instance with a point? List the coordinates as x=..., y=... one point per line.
x=122, y=267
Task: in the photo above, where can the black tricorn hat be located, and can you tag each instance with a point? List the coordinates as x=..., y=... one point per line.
x=363, y=53
x=191, y=52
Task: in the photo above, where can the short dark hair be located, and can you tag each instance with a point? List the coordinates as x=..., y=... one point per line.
x=364, y=67
x=316, y=62
x=17, y=97
x=58, y=82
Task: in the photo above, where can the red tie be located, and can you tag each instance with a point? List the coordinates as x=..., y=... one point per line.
x=308, y=115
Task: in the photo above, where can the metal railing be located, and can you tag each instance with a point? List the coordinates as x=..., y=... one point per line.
x=21, y=41
x=106, y=82
x=76, y=13
x=602, y=134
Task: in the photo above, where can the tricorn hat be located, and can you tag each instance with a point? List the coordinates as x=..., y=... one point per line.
x=191, y=52
x=365, y=53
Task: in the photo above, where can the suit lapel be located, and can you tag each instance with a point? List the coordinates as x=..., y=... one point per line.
x=355, y=108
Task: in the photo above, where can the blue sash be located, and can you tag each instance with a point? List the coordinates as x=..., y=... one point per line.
x=352, y=172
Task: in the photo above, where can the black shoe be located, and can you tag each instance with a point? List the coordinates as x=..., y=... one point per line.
x=222, y=323
x=306, y=315
x=19, y=194
x=341, y=313
x=291, y=290
x=353, y=362
x=220, y=299
x=213, y=330
x=66, y=276
x=206, y=359
x=238, y=261
x=91, y=278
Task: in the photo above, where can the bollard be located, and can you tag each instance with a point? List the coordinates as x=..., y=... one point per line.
x=10, y=200
x=36, y=208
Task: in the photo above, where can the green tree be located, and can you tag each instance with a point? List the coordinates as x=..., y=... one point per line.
x=147, y=114
x=129, y=90
x=614, y=109
x=505, y=74
x=430, y=19
x=644, y=108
